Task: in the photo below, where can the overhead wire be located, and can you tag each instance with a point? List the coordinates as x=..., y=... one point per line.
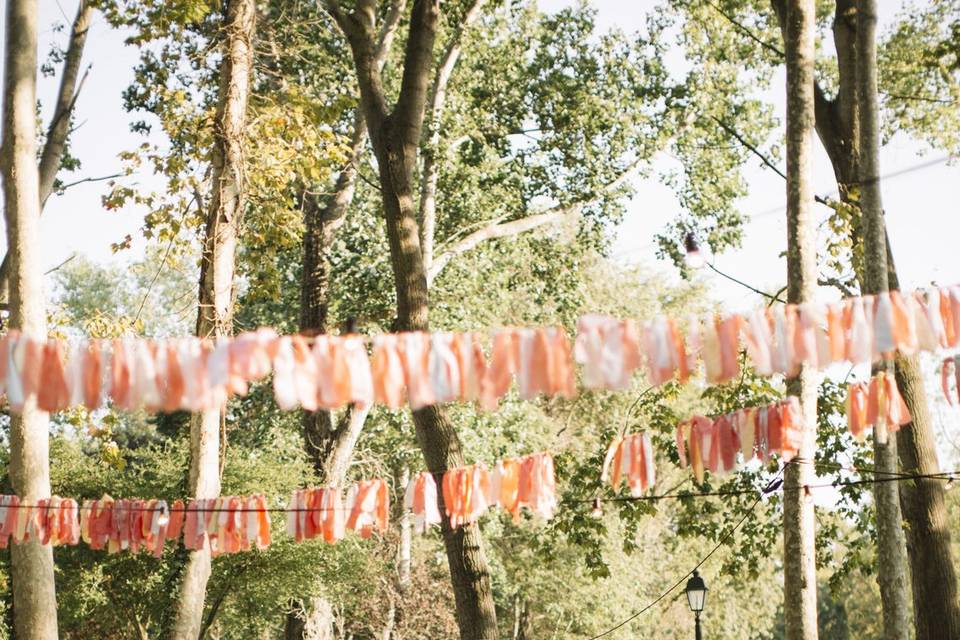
x=774, y=210
x=769, y=488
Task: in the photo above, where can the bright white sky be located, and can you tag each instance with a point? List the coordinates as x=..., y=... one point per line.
x=922, y=206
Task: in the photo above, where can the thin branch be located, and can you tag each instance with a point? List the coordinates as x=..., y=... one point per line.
x=733, y=132
x=900, y=96
x=521, y=225
x=368, y=180
x=838, y=284
x=746, y=31
x=502, y=230
x=51, y=270
x=387, y=31
x=64, y=187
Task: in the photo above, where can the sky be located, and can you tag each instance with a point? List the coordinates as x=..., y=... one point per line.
x=922, y=206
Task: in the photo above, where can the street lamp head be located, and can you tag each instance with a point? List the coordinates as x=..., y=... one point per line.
x=696, y=592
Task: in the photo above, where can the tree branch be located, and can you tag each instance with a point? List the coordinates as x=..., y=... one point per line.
x=66, y=186
x=59, y=128
x=407, y=116
x=753, y=149
x=430, y=172
x=499, y=229
x=387, y=32
x=746, y=31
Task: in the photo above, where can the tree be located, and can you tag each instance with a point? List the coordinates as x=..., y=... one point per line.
x=891, y=550
x=799, y=562
x=745, y=32
x=34, y=597
x=934, y=580
x=217, y=267
x=58, y=132
x=395, y=137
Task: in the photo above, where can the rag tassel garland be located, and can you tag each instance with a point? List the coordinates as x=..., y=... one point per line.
x=713, y=445
x=325, y=513
x=48, y=521
x=423, y=369
x=469, y=491
x=876, y=404
x=630, y=458
x=950, y=369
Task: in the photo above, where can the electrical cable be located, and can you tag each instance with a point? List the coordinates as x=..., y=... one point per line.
x=769, y=488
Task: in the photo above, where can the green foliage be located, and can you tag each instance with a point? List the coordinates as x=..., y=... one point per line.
x=543, y=111
x=919, y=66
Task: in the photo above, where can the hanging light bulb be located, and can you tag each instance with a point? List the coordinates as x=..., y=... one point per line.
x=597, y=511
x=694, y=258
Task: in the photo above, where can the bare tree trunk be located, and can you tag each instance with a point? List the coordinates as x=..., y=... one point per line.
x=59, y=129
x=34, y=594
x=936, y=605
x=218, y=261
x=314, y=621
x=799, y=562
x=891, y=547
x=404, y=546
x=330, y=445
x=395, y=137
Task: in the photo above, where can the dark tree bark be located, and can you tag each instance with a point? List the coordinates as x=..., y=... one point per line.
x=34, y=594
x=799, y=557
x=395, y=137
x=330, y=443
x=217, y=267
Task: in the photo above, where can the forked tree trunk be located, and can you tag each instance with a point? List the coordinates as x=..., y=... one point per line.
x=799, y=562
x=34, y=596
x=217, y=267
x=936, y=605
x=395, y=137
x=59, y=128
x=891, y=548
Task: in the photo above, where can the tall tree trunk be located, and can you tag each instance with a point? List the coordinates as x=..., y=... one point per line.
x=34, y=595
x=329, y=444
x=891, y=547
x=324, y=440
x=395, y=137
x=936, y=608
x=936, y=604
x=217, y=267
x=59, y=128
x=799, y=562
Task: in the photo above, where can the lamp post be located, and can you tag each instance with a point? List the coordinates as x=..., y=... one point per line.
x=696, y=597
